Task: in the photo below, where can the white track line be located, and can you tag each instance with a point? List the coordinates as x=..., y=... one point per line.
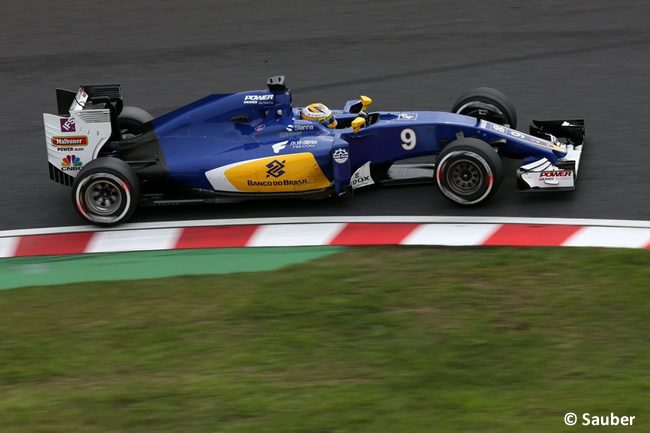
x=134, y=240
x=294, y=235
x=8, y=246
x=612, y=237
x=450, y=234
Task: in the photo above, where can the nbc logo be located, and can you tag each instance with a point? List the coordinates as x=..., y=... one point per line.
x=71, y=163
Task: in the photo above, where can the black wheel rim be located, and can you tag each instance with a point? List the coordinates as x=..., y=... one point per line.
x=464, y=177
x=103, y=197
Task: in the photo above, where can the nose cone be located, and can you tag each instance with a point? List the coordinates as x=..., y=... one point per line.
x=559, y=152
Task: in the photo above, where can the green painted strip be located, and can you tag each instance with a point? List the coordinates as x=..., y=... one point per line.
x=50, y=270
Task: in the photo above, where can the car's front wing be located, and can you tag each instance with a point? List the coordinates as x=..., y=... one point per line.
x=542, y=175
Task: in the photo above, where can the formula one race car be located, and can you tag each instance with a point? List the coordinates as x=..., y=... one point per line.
x=255, y=144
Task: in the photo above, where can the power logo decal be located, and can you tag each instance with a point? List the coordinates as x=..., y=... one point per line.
x=259, y=99
x=294, y=172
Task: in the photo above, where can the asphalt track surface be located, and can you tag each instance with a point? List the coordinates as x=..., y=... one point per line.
x=555, y=59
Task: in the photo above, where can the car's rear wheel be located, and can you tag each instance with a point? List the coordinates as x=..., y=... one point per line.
x=106, y=191
x=488, y=104
x=132, y=117
x=468, y=171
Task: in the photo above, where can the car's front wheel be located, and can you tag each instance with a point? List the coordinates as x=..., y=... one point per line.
x=468, y=171
x=489, y=104
x=106, y=191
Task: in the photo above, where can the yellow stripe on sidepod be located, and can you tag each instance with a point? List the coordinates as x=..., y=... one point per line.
x=282, y=173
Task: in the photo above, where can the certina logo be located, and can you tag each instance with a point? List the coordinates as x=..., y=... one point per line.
x=555, y=173
x=71, y=163
x=275, y=168
x=254, y=99
x=70, y=141
x=67, y=125
x=277, y=147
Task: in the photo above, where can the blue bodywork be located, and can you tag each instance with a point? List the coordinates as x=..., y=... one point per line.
x=224, y=129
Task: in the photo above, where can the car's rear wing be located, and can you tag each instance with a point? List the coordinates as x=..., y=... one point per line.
x=89, y=97
x=86, y=120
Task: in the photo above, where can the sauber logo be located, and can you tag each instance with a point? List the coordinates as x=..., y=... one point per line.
x=555, y=173
x=70, y=141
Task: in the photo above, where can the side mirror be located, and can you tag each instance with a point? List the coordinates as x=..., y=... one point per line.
x=365, y=101
x=358, y=123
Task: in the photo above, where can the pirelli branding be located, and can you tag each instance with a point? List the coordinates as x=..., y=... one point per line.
x=80, y=140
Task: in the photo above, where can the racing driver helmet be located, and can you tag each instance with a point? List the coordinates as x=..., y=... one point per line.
x=320, y=113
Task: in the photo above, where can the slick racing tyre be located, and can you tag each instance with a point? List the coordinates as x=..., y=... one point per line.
x=468, y=171
x=132, y=117
x=487, y=104
x=106, y=191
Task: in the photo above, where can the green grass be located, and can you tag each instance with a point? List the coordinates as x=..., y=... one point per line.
x=381, y=339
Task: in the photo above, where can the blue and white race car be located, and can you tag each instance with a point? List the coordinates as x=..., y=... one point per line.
x=255, y=144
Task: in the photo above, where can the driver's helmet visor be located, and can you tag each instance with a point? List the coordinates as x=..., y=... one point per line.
x=327, y=120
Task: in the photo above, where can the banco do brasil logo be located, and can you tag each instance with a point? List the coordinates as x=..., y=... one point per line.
x=275, y=168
